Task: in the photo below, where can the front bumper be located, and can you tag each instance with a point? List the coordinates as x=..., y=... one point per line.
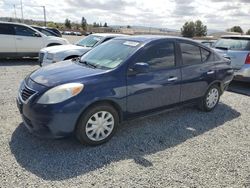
x=243, y=74
x=44, y=61
x=50, y=121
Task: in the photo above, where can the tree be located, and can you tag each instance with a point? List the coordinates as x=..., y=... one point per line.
x=200, y=29
x=236, y=29
x=84, y=24
x=52, y=24
x=248, y=32
x=105, y=24
x=188, y=29
x=128, y=26
x=67, y=23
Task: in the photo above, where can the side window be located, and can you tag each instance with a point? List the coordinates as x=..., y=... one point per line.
x=205, y=55
x=190, y=54
x=6, y=29
x=24, y=31
x=158, y=56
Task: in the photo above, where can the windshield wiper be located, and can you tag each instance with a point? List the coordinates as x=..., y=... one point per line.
x=222, y=48
x=88, y=64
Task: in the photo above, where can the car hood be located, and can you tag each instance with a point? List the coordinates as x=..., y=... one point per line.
x=62, y=72
x=63, y=48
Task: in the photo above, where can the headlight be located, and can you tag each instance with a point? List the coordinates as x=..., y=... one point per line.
x=61, y=93
x=50, y=56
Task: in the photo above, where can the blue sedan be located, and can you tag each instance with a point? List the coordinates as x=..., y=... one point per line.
x=119, y=80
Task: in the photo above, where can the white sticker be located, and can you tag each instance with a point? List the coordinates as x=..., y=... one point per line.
x=96, y=38
x=131, y=43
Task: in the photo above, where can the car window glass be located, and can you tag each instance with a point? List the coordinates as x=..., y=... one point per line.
x=190, y=54
x=158, y=56
x=233, y=43
x=6, y=29
x=205, y=54
x=24, y=31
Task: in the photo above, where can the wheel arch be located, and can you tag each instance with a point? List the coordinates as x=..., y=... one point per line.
x=53, y=44
x=110, y=102
x=218, y=83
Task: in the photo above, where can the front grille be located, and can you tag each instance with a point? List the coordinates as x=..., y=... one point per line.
x=26, y=93
x=41, y=56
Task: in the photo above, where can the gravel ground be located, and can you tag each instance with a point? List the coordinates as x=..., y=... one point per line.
x=180, y=148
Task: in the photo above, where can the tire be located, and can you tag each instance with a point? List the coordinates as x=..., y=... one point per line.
x=207, y=104
x=91, y=130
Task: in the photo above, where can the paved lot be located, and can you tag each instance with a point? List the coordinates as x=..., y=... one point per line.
x=179, y=148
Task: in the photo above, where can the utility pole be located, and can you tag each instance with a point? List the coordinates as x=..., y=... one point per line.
x=21, y=2
x=44, y=15
x=14, y=6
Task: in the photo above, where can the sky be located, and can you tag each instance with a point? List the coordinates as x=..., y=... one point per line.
x=172, y=14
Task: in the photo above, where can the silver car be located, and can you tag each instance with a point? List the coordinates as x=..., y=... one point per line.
x=55, y=54
x=237, y=49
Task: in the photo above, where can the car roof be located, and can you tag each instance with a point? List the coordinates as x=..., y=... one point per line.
x=149, y=38
x=236, y=36
x=109, y=35
x=13, y=23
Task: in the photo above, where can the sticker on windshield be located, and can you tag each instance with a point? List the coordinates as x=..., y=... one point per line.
x=96, y=38
x=131, y=43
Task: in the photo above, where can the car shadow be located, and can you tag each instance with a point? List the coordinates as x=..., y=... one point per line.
x=240, y=87
x=18, y=62
x=63, y=159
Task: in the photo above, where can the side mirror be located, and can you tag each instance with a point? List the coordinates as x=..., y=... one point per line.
x=138, y=68
x=37, y=35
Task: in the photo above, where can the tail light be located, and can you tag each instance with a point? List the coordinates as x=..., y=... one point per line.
x=247, y=59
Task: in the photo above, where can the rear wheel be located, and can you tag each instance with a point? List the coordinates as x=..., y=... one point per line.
x=97, y=125
x=211, y=99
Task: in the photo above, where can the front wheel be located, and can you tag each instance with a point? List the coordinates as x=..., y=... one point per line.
x=97, y=125
x=211, y=99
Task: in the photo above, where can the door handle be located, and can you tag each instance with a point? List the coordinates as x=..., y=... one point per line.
x=171, y=79
x=210, y=72
x=19, y=39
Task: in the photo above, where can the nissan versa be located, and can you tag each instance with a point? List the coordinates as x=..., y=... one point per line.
x=121, y=79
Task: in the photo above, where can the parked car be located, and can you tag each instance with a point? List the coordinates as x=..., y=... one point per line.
x=19, y=40
x=54, y=30
x=208, y=43
x=59, y=53
x=45, y=31
x=118, y=80
x=237, y=49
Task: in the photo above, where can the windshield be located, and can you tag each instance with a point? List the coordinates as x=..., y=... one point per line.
x=233, y=44
x=89, y=41
x=110, y=54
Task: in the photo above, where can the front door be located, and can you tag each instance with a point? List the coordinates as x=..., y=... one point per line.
x=158, y=87
x=26, y=40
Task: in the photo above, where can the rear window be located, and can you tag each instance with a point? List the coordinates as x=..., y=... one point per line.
x=6, y=29
x=233, y=43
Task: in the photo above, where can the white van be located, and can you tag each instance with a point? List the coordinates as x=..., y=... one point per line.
x=20, y=40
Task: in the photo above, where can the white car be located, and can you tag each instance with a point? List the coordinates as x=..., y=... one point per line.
x=20, y=40
x=55, y=54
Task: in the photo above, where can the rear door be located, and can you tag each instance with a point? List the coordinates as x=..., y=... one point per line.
x=26, y=40
x=198, y=70
x=161, y=85
x=7, y=38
